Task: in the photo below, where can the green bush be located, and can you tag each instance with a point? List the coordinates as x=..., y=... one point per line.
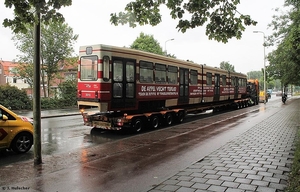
x=49, y=103
x=68, y=92
x=14, y=98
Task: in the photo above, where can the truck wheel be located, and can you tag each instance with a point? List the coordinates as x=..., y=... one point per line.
x=137, y=125
x=22, y=143
x=169, y=119
x=154, y=122
x=180, y=117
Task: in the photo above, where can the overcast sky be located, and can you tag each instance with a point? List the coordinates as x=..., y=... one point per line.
x=91, y=22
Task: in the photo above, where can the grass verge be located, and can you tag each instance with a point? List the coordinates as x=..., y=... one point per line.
x=294, y=177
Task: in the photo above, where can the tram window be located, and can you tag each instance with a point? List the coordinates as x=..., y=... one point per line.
x=105, y=68
x=160, y=73
x=208, y=79
x=194, y=77
x=217, y=83
x=236, y=81
x=118, y=71
x=223, y=80
x=146, y=72
x=181, y=93
x=172, y=75
x=130, y=71
x=118, y=90
x=129, y=90
x=186, y=78
x=232, y=81
x=88, y=68
x=240, y=82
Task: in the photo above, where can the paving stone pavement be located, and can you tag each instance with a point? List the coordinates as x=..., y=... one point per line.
x=258, y=160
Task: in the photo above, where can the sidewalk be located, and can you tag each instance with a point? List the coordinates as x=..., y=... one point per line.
x=259, y=160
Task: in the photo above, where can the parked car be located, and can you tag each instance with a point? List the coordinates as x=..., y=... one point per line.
x=16, y=132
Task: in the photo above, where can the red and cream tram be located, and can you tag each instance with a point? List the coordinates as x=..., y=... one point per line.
x=133, y=84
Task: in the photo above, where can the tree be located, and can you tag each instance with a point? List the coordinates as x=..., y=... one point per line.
x=28, y=12
x=255, y=75
x=284, y=61
x=147, y=43
x=227, y=66
x=57, y=41
x=223, y=19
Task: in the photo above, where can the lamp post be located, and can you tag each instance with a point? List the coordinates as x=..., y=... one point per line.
x=166, y=44
x=264, y=62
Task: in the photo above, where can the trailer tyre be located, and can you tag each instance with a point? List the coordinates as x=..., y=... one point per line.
x=137, y=125
x=180, y=117
x=169, y=119
x=154, y=122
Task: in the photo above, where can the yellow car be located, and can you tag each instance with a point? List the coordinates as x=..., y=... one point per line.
x=16, y=132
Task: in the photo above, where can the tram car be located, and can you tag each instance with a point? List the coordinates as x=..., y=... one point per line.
x=131, y=88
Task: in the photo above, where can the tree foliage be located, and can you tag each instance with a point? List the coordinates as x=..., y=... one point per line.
x=57, y=41
x=25, y=13
x=223, y=19
x=147, y=43
x=227, y=66
x=285, y=60
x=255, y=75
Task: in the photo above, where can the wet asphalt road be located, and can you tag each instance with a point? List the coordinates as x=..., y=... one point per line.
x=93, y=161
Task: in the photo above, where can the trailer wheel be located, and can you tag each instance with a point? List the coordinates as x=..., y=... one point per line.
x=180, y=117
x=154, y=122
x=137, y=125
x=169, y=119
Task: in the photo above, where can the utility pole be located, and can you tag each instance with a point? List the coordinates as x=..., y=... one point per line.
x=264, y=63
x=37, y=89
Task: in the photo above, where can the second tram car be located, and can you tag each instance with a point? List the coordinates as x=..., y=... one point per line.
x=127, y=85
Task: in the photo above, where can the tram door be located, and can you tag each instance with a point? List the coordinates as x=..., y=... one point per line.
x=183, y=85
x=123, y=83
x=236, y=87
x=217, y=88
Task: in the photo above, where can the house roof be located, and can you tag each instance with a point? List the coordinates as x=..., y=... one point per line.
x=7, y=66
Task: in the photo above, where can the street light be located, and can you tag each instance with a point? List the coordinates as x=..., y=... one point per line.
x=264, y=63
x=166, y=44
